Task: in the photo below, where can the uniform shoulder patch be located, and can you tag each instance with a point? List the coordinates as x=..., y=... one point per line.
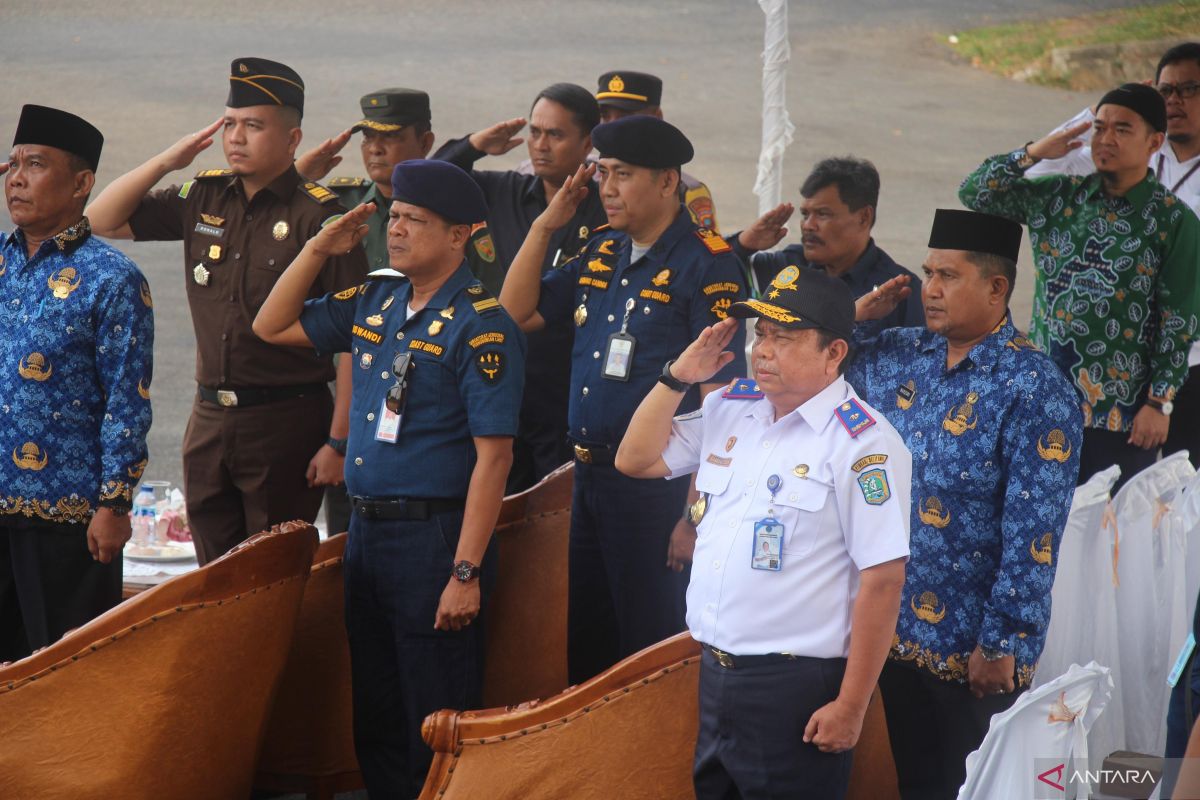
x=346, y=294
x=214, y=173
x=743, y=389
x=482, y=300
x=338, y=183
x=874, y=486
x=318, y=192
x=854, y=417
x=713, y=241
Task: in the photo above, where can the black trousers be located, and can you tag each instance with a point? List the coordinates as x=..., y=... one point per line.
x=933, y=725
x=750, y=745
x=1102, y=449
x=49, y=584
x=1184, y=433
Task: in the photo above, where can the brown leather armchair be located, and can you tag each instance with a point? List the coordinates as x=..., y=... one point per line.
x=629, y=733
x=527, y=611
x=309, y=743
x=165, y=695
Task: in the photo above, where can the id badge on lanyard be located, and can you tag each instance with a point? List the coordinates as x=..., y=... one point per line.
x=391, y=410
x=618, y=353
x=768, y=535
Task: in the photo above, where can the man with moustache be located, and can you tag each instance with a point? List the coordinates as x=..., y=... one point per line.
x=256, y=451
x=1116, y=297
x=1177, y=167
x=561, y=120
x=76, y=345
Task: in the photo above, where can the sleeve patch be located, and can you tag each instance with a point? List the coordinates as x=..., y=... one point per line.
x=490, y=364
x=334, y=218
x=491, y=337
x=726, y=286
x=875, y=488
x=869, y=461
x=186, y=189
x=854, y=417
x=346, y=294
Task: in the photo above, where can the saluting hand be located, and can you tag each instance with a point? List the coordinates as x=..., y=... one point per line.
x=562, y=208
x=343, y=234
x=3, y=167
x=458, y=606
x=882, y=300
x=768, y=230
x=1059, y=143
x=498, y=139
x=184, y=152
x=704, y=357
x=318, y=162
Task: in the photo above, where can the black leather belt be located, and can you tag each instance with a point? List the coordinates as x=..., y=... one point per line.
x=595, y=454
x=241, y=398
x=403, y=509
x=730, y=661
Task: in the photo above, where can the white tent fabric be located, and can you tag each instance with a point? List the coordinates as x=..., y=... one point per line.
x=777, y=128
x=1152, y=605
x=1045, y=726
x=1188, y=509
x=1083, y=617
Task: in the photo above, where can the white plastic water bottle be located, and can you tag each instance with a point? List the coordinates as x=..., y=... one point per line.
x=144, y=514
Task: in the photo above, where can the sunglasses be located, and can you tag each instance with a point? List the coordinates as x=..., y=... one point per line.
x=1186, y=91
x=402, y=365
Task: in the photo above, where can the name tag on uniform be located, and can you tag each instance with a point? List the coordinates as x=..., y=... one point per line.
x=1181, y=662
x=768, y=545
x=618, y=356
x=388, y=428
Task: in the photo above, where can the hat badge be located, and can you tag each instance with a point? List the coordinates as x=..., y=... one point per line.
x=615, y=84
x=374, y=101
x=242, y=68
x=785, y=280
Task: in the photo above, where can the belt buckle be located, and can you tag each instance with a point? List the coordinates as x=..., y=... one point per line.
x=583, y=455
x=723, y=658
x=227, y=398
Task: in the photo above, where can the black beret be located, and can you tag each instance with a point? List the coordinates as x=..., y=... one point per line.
x=629, y=90
x=390, y=110
x=803, y=298
x=259, y=82
x=643, y=141
x=1142, y=99
x=956, y=229
x=54, y=128
x=440, y=187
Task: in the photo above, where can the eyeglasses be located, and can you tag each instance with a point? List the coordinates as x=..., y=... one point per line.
x=1186, y=91
x=398, y=394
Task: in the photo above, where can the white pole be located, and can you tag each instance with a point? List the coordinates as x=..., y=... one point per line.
x=777, y=128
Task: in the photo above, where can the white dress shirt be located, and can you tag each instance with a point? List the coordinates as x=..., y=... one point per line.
x=837, y=519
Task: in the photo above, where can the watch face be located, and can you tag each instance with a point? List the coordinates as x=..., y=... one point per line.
x=1167, y=408
x=465, y=570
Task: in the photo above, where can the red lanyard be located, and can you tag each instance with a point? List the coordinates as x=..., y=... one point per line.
x=1181, y=181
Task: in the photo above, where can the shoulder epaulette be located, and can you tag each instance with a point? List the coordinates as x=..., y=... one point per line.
x=214, y=173
x=713, y=241
x=482, y=300
x=742, y=389
x=337, y=183
x=318, y=192
x=601, y=228
x=854, y=417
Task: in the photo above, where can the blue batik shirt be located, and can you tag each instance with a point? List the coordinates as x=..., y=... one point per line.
x=995, y=453
x=76, y=349
x=468, y=371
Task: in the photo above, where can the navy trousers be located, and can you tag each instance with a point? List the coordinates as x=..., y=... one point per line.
x=402, y=669
x=621, y=597
x=751, y=740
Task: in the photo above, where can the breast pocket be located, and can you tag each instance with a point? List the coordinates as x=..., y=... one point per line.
x=265, y=268
x=803, y=507
x=712, y=480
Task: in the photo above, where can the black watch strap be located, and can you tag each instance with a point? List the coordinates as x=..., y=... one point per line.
x=670, y=381
x=337, y=444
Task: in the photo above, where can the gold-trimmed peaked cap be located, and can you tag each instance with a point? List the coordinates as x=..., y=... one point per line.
x=259, y=82
x=803, y=297
x=390, y=110
x=629, y=90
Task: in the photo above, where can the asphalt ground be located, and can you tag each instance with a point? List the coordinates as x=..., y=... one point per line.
x=867, y=77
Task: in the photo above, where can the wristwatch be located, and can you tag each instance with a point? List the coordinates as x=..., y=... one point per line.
x=339, y=445
x=1022, y=158
x=670, y=381
x=465, y=571
x=991, y=654
x=1165, y=407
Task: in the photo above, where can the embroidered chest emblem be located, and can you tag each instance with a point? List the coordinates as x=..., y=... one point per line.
x=926, y=608
x=662, y=278
x=905, y=395
x=1040, y=552
x=1056, y=448
x=34, y=367
x=63, y=282
x=962, y=418
x=31, y=457
x=932, y=513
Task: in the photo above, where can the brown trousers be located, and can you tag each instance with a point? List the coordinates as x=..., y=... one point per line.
x=243, y=468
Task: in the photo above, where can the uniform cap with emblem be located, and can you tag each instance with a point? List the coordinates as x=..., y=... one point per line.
x=55, y=128
x=975, y=232
x=803, y=298
x=643, y=141
x=440, y=187
x=629, y=90
x=259, y=82
x=1141, y=99
x=391, y=110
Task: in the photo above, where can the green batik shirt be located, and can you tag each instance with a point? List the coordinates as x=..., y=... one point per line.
x=1117, y=296
x=480, y=252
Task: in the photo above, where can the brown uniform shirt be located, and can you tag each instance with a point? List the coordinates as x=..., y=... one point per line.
x=243, y=248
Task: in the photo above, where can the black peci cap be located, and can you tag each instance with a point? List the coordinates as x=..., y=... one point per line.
x=1142, y=99
x=55, y=128
x=957, y=229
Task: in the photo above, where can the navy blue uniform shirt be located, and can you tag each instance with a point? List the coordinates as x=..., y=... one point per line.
x=685, y=282
x=468, y=369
